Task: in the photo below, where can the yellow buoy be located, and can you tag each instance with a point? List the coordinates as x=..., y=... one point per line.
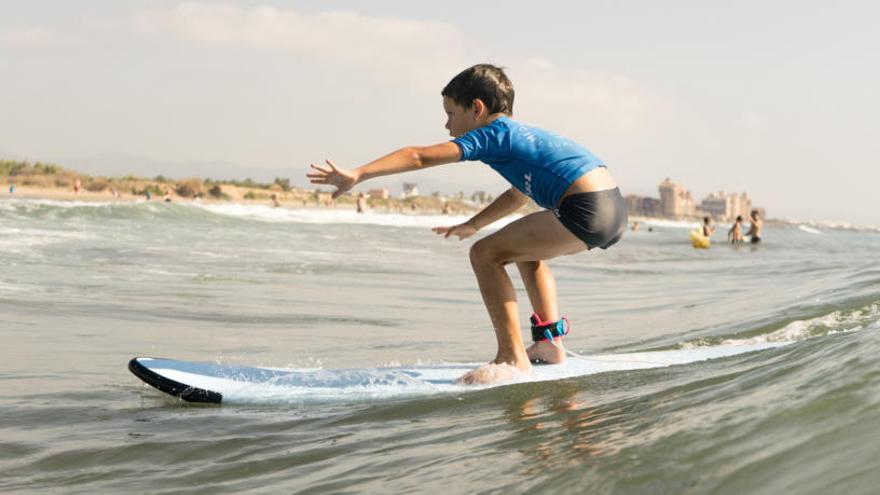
x=699, y=241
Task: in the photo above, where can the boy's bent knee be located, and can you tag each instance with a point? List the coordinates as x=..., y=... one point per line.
x=483, y=253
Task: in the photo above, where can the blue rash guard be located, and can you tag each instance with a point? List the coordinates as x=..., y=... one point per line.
x=539, y=163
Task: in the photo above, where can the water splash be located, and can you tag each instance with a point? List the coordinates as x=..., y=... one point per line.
x=841, y=321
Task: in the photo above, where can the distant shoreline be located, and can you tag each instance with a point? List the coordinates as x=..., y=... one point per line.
x=62, y=194
x=48, y=181
x=290, y=200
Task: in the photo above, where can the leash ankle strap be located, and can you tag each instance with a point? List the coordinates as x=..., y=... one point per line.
x=549, y=330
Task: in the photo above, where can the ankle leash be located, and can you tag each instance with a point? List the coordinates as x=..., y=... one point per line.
x=549, y=330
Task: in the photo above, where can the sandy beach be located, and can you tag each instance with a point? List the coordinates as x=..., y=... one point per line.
x=295, y=198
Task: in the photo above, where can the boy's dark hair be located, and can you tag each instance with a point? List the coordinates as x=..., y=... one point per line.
x=486, y=82
x=739, y=218
x=706, y=219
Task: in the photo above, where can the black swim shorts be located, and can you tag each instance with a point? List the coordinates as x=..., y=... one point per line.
x=597, y=218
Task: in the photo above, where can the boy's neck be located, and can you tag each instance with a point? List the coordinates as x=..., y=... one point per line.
x=492, y=118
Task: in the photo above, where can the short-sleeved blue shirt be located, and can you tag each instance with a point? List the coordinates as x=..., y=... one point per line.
x=539, y=163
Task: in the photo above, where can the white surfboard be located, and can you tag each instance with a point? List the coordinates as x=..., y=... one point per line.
x=216, y=382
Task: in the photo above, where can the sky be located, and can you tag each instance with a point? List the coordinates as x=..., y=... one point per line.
x=772, y=98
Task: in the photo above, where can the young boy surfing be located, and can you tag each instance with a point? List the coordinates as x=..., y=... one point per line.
x=584, y=210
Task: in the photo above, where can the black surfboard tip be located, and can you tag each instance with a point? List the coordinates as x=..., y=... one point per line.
x=172, y=387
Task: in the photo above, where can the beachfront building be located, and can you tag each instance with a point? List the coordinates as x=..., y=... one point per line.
x=740, y=205
x=642, y=205
x=724, y=206
x=675, y=200
x=378, y=193
x=410, y=189
x=716, y=206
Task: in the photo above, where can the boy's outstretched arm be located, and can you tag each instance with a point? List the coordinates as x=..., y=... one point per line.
x=402, y=160
x=503, y=205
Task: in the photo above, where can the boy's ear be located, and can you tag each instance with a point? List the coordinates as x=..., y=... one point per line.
x=478, y=108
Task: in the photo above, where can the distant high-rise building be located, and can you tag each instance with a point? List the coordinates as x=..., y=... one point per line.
x=633, y=203
x=641, y=205
x=740, y=205
x=716, y=206
x=675, y=201
x=650, y=206
x=724, y=206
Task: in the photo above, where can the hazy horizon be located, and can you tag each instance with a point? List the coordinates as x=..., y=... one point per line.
x=769, y=99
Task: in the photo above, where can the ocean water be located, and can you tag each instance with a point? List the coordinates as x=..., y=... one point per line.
x=84, y=287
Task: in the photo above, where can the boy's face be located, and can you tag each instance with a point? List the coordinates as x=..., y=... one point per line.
x=459, y=119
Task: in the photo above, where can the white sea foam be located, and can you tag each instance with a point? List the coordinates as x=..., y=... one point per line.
x=8, y=288
x=12, y=203
x=832, y=323
x=672, y=224
x=809, y=230
x=15, y=240
x=336, y=216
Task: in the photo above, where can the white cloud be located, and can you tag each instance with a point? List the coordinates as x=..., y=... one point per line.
x=414, y=46
x=754, y=121
x=411, y=52
x=610, y=102
x=30, y=37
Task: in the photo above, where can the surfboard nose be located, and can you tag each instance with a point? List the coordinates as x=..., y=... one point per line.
x=171, y=387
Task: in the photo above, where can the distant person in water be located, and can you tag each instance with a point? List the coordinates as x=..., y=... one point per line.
x=361, y=202
x=275, y=203
x=755, y=227
x=635, y=226
x=735, y=234
x=77, y=185
x=167, y=197
x=582, y=209
x=11, y=188
x=708, y=228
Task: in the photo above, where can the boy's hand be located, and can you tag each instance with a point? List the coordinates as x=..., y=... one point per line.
x=463, y=231
x=341, y=178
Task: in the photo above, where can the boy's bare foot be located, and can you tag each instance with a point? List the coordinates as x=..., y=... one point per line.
x=545, y=352
x=494, y=373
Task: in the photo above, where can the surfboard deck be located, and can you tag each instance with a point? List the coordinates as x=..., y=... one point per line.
x=215, y=383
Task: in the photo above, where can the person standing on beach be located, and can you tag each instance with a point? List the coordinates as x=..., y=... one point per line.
x=583, y=209
x=735, y=234
x=755, y=227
